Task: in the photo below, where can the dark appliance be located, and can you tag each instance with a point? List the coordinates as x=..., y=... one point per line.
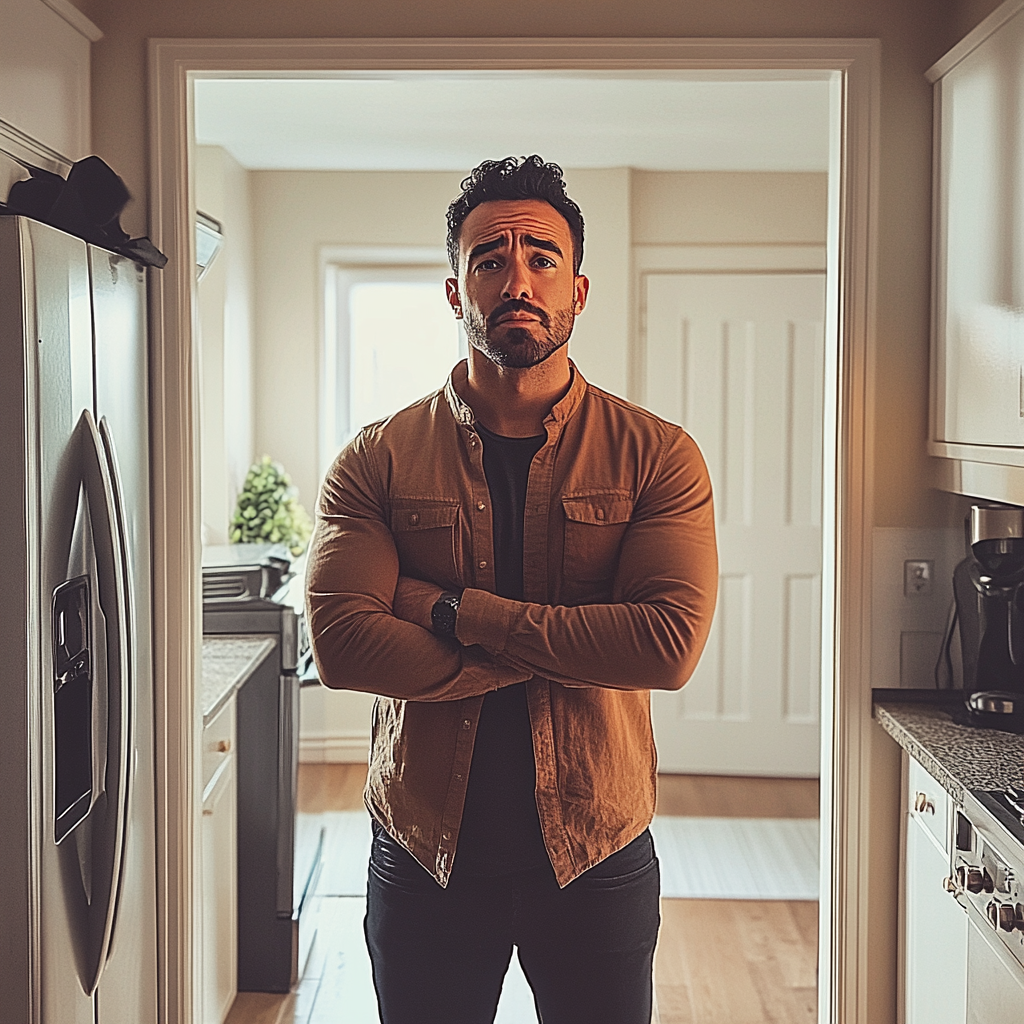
x=987, y=587
x=251, y=588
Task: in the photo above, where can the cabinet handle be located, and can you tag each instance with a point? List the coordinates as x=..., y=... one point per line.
x=922, y=804
x=949, y=884
x=223, y=746
x=207, y=813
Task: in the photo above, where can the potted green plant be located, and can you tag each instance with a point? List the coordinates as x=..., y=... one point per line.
x=268, y=511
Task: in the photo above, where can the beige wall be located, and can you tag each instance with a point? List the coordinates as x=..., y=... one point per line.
x=225, y=340
x=295, y=214
x=738, y=208
x=44, y=78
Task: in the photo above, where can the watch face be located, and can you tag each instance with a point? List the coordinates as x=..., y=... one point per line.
x=444, y=613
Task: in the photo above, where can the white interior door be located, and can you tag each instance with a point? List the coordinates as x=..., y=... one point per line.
x=737, y=360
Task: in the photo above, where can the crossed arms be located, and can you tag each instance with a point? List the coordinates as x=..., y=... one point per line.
x=370, y=626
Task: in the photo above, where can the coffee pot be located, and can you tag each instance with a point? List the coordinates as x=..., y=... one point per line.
x=988, y=587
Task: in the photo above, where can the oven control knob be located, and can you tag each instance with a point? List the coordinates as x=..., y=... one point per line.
x=974, y=879
x=1002, y=916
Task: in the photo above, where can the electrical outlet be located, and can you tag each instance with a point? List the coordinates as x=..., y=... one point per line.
x=917, y=577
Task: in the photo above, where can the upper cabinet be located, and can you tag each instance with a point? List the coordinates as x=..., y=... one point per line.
x=978, y=338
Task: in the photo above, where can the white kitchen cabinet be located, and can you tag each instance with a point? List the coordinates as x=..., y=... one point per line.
x=219, y=867
x=979, y=270
x=934, y=924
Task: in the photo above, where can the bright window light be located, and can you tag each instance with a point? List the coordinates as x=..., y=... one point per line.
x=403, y=343
x=390, y=339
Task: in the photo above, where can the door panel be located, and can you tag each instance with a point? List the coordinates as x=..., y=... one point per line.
x=737, y=360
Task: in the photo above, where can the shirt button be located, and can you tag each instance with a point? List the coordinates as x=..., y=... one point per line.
x=458, y=777
x=480, y=506
x=600, y=513
x=414, y=519
x=466, y=723
x=482, y=565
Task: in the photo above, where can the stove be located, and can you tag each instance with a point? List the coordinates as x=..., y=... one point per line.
x=988, y=865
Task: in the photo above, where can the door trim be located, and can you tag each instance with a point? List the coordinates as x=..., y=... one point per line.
x=853, y=65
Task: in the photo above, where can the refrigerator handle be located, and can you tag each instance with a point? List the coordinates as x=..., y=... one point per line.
x=108, y=835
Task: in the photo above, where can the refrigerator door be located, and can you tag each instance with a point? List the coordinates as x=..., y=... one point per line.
x=20, y=684
x=59, y=318
x=128, y=987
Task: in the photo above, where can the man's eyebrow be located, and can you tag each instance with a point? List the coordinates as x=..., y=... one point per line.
x=483, y=247
x=542, y=243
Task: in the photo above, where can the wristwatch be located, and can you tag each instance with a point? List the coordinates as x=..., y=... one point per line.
x=444, y=613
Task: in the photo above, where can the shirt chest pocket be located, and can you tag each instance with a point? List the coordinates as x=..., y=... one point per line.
x=426, y=536
x=594, y=527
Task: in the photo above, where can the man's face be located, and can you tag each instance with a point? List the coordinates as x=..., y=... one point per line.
x=516, y=288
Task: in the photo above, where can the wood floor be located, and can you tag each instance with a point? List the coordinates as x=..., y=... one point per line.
x=718, y=961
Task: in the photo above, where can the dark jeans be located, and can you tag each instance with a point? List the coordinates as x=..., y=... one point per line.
x=439, y=955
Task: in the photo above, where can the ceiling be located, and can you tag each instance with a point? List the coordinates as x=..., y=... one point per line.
x=443, y=121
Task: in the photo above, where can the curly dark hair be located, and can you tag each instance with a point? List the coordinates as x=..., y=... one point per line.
x=527, y=177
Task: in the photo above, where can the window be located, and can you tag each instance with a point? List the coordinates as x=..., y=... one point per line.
x=390, y=339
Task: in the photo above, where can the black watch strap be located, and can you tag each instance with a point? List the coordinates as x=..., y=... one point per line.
x=444, y=613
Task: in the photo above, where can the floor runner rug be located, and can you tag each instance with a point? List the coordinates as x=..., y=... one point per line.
x=701, y=858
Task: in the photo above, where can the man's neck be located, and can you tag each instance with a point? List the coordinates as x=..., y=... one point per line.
x=515, y=402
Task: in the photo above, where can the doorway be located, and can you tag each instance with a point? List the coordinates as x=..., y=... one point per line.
x=839, y=359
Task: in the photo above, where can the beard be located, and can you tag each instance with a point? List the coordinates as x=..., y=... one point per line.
x=515, y=346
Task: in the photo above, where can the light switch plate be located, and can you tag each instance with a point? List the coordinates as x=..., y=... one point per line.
x=917, y=577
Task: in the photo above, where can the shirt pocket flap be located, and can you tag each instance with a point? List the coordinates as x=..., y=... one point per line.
x=423, y=516
x=598, y=509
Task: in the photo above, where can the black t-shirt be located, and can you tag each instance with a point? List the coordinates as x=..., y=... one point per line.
x=500, y=830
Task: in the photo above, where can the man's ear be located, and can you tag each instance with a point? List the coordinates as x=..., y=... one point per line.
x=451, y=286
x=582, y=289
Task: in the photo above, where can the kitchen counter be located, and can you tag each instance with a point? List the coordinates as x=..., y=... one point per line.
x=228, y=660
x=957, y=757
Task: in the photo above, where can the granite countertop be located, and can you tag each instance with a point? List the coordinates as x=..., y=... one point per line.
x=228, y=660
x=959, y=758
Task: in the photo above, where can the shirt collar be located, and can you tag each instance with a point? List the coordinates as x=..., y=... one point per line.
x=560, y=412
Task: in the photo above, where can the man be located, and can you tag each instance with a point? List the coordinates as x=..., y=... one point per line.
x=513, y=563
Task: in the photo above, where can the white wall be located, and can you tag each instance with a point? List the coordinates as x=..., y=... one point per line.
x=225, y=340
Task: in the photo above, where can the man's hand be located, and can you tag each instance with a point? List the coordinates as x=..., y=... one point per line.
x=414, y=601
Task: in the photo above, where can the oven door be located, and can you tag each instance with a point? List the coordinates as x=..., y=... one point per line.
x=995, y=979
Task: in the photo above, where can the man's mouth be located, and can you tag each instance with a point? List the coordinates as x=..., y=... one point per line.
x=517, y=311
x=513, y=317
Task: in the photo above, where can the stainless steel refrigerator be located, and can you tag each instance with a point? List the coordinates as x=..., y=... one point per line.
x=77, y=823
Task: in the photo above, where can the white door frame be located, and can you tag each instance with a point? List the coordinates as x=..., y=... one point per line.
x=846, y=706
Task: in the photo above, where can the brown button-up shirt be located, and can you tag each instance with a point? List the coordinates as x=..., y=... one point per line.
x=620, y=576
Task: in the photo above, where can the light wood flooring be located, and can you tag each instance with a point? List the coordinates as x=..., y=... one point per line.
x=718, y=961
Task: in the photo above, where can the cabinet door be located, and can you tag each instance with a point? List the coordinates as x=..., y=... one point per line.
x=935, y=936
x=979, y=289
x=220, y=915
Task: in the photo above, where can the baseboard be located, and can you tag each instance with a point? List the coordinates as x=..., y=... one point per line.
x=338, y=748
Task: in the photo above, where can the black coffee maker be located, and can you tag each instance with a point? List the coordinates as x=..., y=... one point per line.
x=988, y=587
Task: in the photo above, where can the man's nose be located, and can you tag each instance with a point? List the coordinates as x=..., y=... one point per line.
x=517, y=280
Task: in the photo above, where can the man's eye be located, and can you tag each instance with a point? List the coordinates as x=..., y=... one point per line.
x=487, y=265
x=544, y=262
